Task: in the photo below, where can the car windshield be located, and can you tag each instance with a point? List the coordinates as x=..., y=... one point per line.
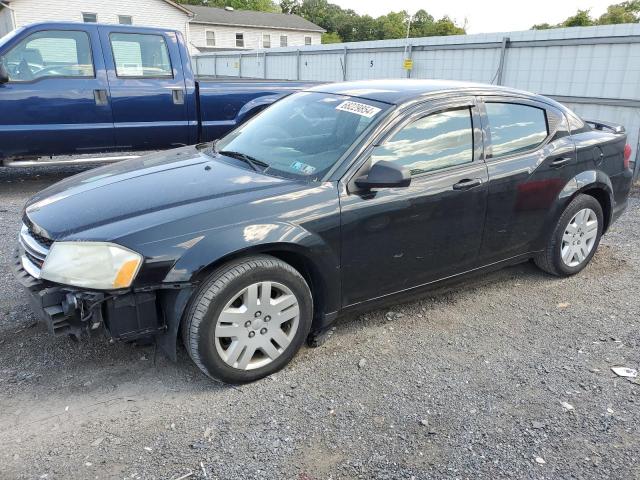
x=303, y=135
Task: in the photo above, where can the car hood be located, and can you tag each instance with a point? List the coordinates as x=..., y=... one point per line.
x=162, y=186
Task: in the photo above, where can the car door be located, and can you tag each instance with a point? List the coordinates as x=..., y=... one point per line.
x=530, y=158
x=55, y=101
x=147, y=88
x=394, y=239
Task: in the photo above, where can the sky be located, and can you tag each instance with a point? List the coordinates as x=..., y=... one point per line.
x=485, y=16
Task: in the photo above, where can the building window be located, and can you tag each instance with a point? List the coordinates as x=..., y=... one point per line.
x=125, y=19
x=239, y=39
x=211, y=38
x=283, y=40
x=307, y=40
x=266, y=40
x=89, y=17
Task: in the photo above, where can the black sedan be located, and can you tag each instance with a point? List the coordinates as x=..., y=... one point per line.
x=331, y=200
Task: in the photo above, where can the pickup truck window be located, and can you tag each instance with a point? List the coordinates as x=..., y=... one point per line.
x=139, y=55
x=303, y=135
x=50, y=53
x=515, y=128
x=433, y=142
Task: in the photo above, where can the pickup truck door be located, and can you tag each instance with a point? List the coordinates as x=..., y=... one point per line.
x=147, y=87
x=56, y=99
x=394, y=239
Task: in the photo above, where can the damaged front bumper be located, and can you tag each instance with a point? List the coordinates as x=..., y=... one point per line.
x=68, y=311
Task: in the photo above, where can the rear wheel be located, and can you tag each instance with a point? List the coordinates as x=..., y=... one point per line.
x=248, y=319
x=575, y=238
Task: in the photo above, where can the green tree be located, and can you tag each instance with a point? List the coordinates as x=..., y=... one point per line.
x=542, y=26
x=625, y=12
x=392, y=25
x=421, y=24
x=445, y=26
x=291, y=6
x=331, y=37
x=581, y=19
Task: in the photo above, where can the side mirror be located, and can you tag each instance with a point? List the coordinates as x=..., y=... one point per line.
x=4, y=73
x=385, y=175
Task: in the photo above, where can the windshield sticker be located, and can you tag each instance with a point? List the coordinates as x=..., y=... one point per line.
x=361, y=109
x=303, y=167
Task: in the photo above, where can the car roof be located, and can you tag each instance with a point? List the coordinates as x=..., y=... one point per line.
x=399, y=91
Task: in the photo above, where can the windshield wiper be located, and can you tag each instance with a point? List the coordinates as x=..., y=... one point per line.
x=252, y=161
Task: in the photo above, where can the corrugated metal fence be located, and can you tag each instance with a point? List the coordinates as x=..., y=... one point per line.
x=593, y=70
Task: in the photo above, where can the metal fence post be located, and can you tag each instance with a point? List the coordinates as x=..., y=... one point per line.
x=503, y=54
x=264, y=65
x=298, y=64
x=344, y=64
x=240, y=65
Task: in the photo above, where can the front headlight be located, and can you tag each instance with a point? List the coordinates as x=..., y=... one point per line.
x=97, y=265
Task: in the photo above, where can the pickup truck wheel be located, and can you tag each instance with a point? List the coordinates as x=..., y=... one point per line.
x=575, y=238
x=248, y=319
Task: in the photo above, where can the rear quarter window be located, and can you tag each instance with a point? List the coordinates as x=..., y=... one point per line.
x=515, y=128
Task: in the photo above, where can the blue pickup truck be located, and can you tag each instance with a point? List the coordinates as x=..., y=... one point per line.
x=71, y=88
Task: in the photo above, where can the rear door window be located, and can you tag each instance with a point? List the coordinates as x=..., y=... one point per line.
x=140, y=55
x=50, y=53
x=515, y=128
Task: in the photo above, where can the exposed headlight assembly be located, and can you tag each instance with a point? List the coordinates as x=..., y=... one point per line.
x=95, y=265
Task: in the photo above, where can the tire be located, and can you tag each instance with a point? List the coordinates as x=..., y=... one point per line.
x=579, y=247
x=228, y=330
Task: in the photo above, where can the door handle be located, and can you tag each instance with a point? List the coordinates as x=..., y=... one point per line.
x=178, y=96
x=467, y=184
x=101, y=97
x=560, y=162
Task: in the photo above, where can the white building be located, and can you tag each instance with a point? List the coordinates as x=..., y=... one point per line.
x=205, y=28
x=225, y=29
x=151, y=13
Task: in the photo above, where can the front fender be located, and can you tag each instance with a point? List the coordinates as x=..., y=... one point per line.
x=273, y=236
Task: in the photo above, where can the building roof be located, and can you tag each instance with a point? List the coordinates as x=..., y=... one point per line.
x=251, y=18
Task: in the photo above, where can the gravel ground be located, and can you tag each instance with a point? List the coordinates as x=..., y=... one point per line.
x=507, y=375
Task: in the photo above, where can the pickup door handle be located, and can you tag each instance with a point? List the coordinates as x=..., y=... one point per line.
x=101, y=97
x=178, y=96
x=467, y=184
x=560, y=162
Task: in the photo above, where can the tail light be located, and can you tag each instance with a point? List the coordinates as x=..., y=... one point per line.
x=627, y=155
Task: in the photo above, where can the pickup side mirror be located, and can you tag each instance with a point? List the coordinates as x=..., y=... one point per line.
x=385, y=174
x=4, y=73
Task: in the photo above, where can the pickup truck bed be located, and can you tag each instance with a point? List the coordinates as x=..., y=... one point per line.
x=72, y=88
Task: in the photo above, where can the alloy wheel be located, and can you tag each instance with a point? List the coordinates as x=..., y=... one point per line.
x=579, y=237
x=257, y=325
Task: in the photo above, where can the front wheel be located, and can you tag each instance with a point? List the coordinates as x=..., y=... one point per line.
x=248, y=319
x=575, y=238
